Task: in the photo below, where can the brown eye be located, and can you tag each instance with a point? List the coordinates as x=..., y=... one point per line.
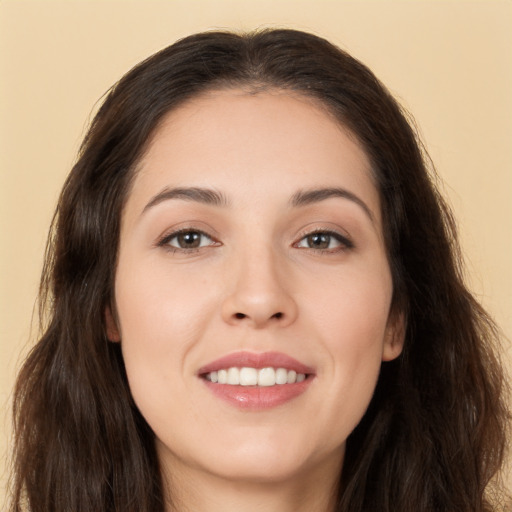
x=188, y=239
x=324, y=241
x=318, y=241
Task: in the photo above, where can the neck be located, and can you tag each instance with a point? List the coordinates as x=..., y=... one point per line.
x=191, y=491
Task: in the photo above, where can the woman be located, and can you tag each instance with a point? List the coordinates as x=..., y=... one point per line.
x=255, y=301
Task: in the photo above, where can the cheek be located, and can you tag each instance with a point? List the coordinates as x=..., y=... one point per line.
x=352, y=308
x=162, y=315
x=158, y=325
x=351, y=316
x=156, y=306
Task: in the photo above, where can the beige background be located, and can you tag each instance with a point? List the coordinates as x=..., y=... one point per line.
x=449, y=62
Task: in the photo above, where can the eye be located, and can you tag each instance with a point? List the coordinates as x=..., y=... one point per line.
x=187, y=239
x=324, y=241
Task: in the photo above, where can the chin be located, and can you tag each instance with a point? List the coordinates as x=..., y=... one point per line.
x=263, y=469
x=266, y=463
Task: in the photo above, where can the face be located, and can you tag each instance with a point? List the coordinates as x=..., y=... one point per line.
x=253, y=289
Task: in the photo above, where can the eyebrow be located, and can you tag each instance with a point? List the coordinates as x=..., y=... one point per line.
x=197, y=194
x=307, y=197
x=215, y=198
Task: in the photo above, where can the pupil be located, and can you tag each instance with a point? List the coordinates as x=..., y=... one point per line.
x=189, y=240
x=319, y=241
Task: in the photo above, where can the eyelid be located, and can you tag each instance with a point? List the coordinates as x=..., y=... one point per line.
x=341, y=236
x=343, y=239
x=163, y=240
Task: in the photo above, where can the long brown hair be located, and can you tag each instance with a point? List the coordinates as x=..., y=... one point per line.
x=434, y=434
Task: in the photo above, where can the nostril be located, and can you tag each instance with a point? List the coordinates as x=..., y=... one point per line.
x=241, y=316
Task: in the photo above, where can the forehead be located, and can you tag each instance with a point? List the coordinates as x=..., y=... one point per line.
x=232, y=115
x=272, y=141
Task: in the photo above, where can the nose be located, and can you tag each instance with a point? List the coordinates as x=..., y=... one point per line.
x=259, y=293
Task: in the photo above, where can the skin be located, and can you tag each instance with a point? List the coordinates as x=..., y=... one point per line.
x=254, y=284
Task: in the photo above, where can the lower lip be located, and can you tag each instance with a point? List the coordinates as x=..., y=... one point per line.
x=258, y=398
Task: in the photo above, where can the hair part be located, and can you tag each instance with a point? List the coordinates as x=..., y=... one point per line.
x=434, y=434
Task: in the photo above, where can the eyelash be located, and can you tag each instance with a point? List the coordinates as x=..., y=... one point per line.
x=345, y=243
x=166, y=239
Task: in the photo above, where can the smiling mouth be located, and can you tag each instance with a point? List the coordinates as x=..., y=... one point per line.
x=257, y=381
x=262, y=377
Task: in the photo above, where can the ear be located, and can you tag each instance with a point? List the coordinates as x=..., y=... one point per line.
x=111, y=325
x=395, y=336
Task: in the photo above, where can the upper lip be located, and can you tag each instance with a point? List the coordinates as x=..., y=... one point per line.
x=256, y=360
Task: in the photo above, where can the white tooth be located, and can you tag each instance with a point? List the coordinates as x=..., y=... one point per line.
x=233, y=376
x=291, y=377
x=281, y=376
x=213, y=376
x=222, y=376
x=248, y=376
x=266, y=377
x=300, y=377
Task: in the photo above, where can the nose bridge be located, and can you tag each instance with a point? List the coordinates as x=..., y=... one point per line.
x=259, y=291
